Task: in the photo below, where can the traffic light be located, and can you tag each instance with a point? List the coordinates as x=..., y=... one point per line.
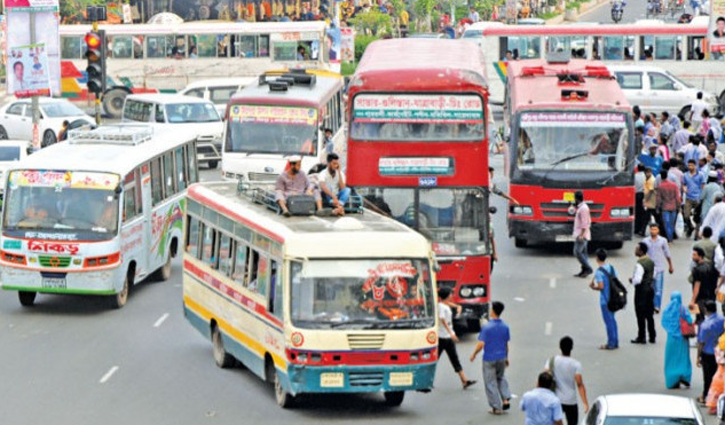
x=96, y=57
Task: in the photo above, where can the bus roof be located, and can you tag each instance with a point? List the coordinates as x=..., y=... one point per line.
x=640, y=28
x=529, y=92
x=388, y=64
x=201, y=27
x=297, y=94
x=372, y=235
x=106, y=156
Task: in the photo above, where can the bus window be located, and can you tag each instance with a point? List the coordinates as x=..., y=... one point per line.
x=222, y=46
x=695, y=48
x=576, y=46
x=178, y=48
x=263, y=46
x=180, y=169
x=129, y=203
x=522, y=47
x=138, y=47
x=262, y=276
x=241, y=255
x=253, y=271
x=244, y=46
x=169, y=180
x=225, y=258
x=646, y=47
x=121, y=46
x=157, y=191
x=208, y=245
x=157, y=46
x=668, y=48
x=276, y=297
x=191, y=162
x=205, y=45
x=70, y=47
x=192, y=237
x=613, y=48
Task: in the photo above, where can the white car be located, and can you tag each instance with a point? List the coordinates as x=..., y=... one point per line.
x=650, y=409
x=16, y=119
x=217, y=90
x=11, y=151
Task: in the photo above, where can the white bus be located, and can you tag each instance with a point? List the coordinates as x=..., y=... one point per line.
x=313, y=305
x=144, y=58
x=97, y=214
x=284, y=113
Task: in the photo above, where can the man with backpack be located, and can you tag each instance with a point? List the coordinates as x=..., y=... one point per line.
x=643, y=281
x=603, y=281
x=567, y=374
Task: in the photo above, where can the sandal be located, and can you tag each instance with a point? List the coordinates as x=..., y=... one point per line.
x=701, y=400
x=496, y=412
x=468, y=384
x=605, y=347
x=506, y=405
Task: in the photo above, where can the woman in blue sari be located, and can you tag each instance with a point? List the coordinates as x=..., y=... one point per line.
x=678, y=367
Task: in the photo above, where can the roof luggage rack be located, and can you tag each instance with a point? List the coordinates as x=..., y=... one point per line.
x=264, y=194
x=129, y=135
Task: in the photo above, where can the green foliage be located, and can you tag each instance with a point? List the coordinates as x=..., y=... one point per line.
x=361, y=43
x=485, y=7
x=73, y=10
x=347, y=68
x=372, y=23
x=547, y=15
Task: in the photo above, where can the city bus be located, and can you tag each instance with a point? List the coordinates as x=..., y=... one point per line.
x=96, y=214
x=680, y=49
x=418, y=152
x=150, y=58
x=285, y=113
x=310, y=304
x=571, y=129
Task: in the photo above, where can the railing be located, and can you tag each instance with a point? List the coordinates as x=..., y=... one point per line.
x=263, y=193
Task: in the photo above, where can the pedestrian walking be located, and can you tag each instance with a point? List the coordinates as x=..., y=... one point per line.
x=668, y=201
x=715, y=219
x=650, y=196
x=447, y=338
x=567, y=373
x=717, y=384
x=659, y=251
x=639, y=213
x=582, y=234
x=494, y=341
x=693, y=185
x=540, y=405
x=678, y=368
x=707, y=337
x=704, y=283
x=643, y=281
x=601, y=283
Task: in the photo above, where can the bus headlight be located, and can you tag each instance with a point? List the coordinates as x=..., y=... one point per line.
x=522, y=210
x=478, y=291
x=620, y=212
x=466, y=291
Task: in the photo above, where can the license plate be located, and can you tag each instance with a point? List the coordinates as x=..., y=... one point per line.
x=53, y=282
x=569, y=196
x=401, y=379
x=332, y=380
x=564, y=238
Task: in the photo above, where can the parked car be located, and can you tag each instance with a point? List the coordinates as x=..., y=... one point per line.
x=198, y=116
x=217, y=90
x=11, y=151
x=16, y=119
x=656, y=90
x=650, y=409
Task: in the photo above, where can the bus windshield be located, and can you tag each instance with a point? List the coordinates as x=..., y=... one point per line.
x=272, y=129
x=362, y=294
x=579, y=141
x=453, y=219
x=66, y=207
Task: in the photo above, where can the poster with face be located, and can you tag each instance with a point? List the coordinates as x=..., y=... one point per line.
x=29, y=74
x=716, y=30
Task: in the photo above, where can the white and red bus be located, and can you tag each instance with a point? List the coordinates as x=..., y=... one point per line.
x=570, y=130
x=418, y=152
x=680, y=49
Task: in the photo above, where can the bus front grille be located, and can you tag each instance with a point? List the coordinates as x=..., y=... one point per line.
x=53, y=261
x=365, y=341
x=366, y=379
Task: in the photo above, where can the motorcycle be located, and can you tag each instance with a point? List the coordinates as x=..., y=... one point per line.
x=618, y=10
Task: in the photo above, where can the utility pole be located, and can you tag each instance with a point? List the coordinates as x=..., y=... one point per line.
x=34, y=101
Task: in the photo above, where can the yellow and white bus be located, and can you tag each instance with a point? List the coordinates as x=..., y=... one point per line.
x=311, y=304
x=96, y=214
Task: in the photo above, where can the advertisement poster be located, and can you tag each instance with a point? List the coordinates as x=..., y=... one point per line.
x=31, y=5
x=333, y=39
x=28, y=71
x=418, y=108
x=716, y=30
x=347, y=44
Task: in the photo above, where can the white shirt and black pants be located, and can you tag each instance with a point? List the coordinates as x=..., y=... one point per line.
x=644, y=291
x=565, y=371
x=445, y=339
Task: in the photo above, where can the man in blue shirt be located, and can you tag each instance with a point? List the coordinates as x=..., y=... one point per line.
x=651, y=160
x=494, y=341
x=693, y=184
x=710, y=330
x=541, y=405
x=601, y=283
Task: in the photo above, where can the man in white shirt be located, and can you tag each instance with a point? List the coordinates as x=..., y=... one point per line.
x=447, y=338
x=567, y=372
x=333, y=185
x=715, y=219
x=696, y=109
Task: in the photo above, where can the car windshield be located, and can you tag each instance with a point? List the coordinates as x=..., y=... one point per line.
x=362, y=294
x=455, y=220
x=61, y=203
x=61, y=109
x=418, y=118
x=271, y=129
x=576, y=141
x=179, y=113
x=9, y=153
x=647, y=420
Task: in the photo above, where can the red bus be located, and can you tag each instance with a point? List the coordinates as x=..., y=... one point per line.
x=570, y=129
x=418, y=152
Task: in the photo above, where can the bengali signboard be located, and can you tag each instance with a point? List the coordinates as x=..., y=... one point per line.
x=418, y=108
x=716, y=30
x=407, y=166
x=31, y=5
x=63, y=179
x=266, y=114
x=572, y=119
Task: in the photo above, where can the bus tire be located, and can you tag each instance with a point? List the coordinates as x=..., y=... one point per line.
x=394, y=398
x=473, y=325
x=119, y=300
x=212, y=164
x=284, y=399
x=164, y=273
x=27, y=298
x=113, y=102
x=222, y=359
x=520, y=242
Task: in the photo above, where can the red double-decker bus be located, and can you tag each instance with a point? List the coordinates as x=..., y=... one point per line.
x=570, y=129
x=418, y=152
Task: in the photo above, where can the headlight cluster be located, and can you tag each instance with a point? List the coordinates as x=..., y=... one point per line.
x=522, y=210
x=421, y=355
x=620, y=212
x=472, y=291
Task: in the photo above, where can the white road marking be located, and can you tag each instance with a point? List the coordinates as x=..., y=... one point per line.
x=519, y=299
x=547, y=328
x=108, y=375
x=161, y=320
x=552, y=283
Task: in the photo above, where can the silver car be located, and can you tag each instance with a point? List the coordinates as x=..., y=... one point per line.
x=641, y=409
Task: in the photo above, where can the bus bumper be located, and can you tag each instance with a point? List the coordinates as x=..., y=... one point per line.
x=548, y=231
x=102, y=282
x=359, y=379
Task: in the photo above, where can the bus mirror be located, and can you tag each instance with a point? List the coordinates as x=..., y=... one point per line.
x=117, y=190
x=492, y=210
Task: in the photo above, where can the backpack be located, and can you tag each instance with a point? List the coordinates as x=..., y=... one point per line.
x=617, y=292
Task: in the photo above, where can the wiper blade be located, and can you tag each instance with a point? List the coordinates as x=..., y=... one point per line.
x=370, y=322
x=569, y=158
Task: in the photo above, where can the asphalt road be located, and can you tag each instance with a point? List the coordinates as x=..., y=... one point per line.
x=70, y=360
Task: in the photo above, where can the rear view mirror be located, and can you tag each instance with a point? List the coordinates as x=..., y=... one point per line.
x=492, y=210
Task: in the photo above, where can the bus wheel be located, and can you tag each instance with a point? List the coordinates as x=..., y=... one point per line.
x=520, y=243
x=222, y=359
x=284, y=399
x=473, y=325
x=113, y=102
x=164, y=273
x=394, y=398
x=119, y=300
x=27, y=298
x=212, y=165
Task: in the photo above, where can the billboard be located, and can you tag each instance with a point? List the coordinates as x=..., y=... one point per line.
x=716, y=30
x=28, y=71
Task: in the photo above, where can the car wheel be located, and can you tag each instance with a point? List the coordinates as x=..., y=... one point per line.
x=685, y=112
x=213, y=164
x=48, y=139
x=3, y=133
x=113, y=102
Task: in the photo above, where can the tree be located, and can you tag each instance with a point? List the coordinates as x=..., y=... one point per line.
x=425, y=8
x=372, y=22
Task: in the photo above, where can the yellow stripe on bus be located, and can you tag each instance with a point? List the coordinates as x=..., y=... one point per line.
x=238, y=335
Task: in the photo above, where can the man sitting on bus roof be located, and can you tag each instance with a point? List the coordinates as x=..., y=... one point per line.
x=333, y=186
x=293, y=182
